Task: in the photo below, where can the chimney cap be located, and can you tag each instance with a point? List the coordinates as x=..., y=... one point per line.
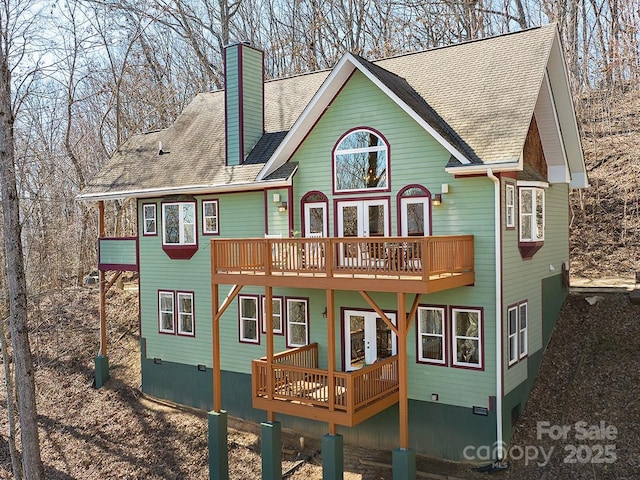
x=238, y=42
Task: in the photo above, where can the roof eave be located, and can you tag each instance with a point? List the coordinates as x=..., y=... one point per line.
x=184, y=190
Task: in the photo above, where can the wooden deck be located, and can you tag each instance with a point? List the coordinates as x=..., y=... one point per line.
x=385, y=264
x=293, y=384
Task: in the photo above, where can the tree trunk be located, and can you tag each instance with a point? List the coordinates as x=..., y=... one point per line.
x=16, y=280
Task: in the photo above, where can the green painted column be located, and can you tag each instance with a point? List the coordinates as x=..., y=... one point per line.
x=404, y=464
x=271, y=441
x=218, y=453
x=101, y=370
x=332, y=457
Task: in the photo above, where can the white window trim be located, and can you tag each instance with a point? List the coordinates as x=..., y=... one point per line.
x=510, y=205
x=181, y=223
x=512, y=336
x=382, y=148
x=205, y=217
x=277, y=331
x=181, y=331
x=305, y=323
x=145, y=219
x=455, y=337
x=242, y=319
x=533, y=214
x=168, y=294
x=404, y=220
x=442, y=336
x=307, y=218
x=523, y=334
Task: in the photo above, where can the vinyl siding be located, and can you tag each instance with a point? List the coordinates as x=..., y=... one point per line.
x=252, y=90
x=522, y=279
x=232, y=106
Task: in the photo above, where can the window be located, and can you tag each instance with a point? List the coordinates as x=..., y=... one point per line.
x=531, y=214
x=166, y=312
x=512, y=319
x=361, y=162
x=466, y=330
x=523, y=329
x=277, y=315
x=431, y=335
x=511, y=205
x=185, y=314
x=414, y=201
x=248, y=313
x=517, y=319
x=210, y=217
x=297, y=322
x=149, y=219
x=315, y=214
x=179, y=223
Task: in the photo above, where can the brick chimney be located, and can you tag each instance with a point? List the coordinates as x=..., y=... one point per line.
x=244, y=100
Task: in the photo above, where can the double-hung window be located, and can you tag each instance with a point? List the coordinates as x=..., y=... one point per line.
x=166, y=313
x=467, y=330
x=531, y=214
x=431, y=335
x=185, y=314
x=210, y=217
x=510, y=193
x=517, y=318
x=149, y=219
x=297, y=322
x=276, y=303
x=248, y=313
x=176, y=313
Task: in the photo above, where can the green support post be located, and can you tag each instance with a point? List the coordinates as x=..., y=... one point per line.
x=404, y=464
x=271, y=441
x=332, y=457
x=218, y=453
x=101, y=370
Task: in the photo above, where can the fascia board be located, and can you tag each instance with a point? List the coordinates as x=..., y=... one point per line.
x=484, y=168
x=309, y=116
x=184, y=190
x=321, y=100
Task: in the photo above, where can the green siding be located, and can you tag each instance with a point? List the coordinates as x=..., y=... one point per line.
x=523, y=279
x=278, y=221
x=253, y=101
x=232, y=106
x=118, y=251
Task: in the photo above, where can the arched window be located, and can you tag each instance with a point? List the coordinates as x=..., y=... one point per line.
x=414, y=204
x=361, y=162
x=314, y=214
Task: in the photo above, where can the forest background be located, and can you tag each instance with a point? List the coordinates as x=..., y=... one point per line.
x=87, y=74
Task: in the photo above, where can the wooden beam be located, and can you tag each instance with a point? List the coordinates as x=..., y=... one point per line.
x=403, y=403
x=379, y=311
x=103, y=290
x=331, y=352
x=268, y=306
x=414, y=309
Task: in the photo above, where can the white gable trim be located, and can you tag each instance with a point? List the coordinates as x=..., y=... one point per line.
x=321, y=100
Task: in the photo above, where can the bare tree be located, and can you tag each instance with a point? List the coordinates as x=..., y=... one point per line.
x=10, y=18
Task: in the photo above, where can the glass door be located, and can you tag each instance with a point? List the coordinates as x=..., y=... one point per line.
x=367, y=339
x=360, y=218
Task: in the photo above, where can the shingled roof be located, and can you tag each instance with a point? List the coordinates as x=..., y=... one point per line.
x=479, y=96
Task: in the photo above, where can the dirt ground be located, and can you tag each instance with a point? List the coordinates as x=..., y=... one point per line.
x=590, y=374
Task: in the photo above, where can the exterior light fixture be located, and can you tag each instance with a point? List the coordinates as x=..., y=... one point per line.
x=324, y=314
x=436, y=200
x=282, y=207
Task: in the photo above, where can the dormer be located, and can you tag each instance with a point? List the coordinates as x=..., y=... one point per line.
x=244, y=100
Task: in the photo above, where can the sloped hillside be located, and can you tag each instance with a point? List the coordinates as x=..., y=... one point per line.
x=605, y=228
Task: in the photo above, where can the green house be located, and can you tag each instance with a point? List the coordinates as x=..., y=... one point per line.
x=376, y=253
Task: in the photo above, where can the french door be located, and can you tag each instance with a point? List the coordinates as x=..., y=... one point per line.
x=360, y=218
x=367, y=338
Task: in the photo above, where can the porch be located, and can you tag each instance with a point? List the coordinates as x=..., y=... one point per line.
x=293, y=384
x=383, y=264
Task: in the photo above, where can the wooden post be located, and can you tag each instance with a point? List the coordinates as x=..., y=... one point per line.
x=215, y=346
x=331, y=354
x=402, y=372
x=268, y=306
x=102, y=283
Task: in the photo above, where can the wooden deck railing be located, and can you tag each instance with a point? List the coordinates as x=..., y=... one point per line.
x=422, y=257
x=348, y=392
